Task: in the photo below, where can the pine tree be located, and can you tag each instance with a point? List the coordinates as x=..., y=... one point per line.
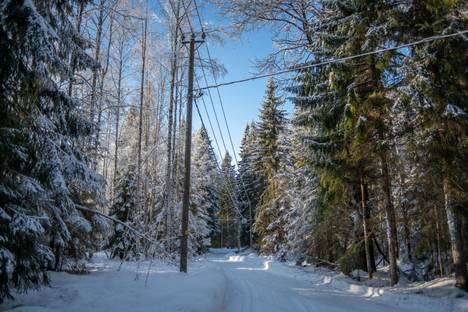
x=44, y=177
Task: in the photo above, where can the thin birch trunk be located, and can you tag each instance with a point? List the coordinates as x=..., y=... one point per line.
x=104, y=71
x=140, y=119
x=117, y=115
x=79, y=18
x=95, y=71
x=168, y=184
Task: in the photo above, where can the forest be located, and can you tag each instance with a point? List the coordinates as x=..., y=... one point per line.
x=357, y=162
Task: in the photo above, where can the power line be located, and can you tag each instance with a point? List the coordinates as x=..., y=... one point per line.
x=336, y=60
x=219, y=151
x=187, y=15
x=212, y=105
x=198, y=14
x=232, y=195
x=217, y=89
x=227, y=127
x=211, y=126
x=225, y=122
x=222, y=108
x=210, y=59
x=206, y=82
x=232, y=189
x=242, y=184
x=210, y=123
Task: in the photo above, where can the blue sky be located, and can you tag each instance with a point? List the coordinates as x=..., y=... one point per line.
x=241, y=101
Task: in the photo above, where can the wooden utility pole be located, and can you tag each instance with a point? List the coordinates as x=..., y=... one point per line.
x=188, y=155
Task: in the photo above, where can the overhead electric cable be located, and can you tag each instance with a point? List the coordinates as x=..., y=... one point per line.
x=336, y=60
x=224, y=116
x=232, y=193
x=210, y=123
x=212, y=105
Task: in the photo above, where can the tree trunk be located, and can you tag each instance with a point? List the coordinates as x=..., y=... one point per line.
x=117, y=115
x=168, y=191
x=391, y=221
x=101, y=84
x=454, y=226
x=140, y=122
x=365, y=230
x=439, y=252
x=95, y=72
x=107, y=158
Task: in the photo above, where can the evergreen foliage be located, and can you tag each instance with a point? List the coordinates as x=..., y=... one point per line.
x=272, y=122
x=378, y=135
x=44, y=173
x=249, y=184
x=433, y=90
x=122, y=243
x=228, y=215
x=205, y=201
x=369, y=170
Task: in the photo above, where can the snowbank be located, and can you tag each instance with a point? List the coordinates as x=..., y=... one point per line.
x=440, y=293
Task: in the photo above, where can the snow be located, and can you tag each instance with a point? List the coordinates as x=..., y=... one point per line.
x=27, y=225
x=453, y=110
x=80, y=223
x=224, y=281
x=9, y=260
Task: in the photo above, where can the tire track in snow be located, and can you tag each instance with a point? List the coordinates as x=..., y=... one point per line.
x=251, y=286
x=255, y=284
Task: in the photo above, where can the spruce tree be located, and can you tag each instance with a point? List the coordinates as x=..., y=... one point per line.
x=248, y=186
x=303, y=192
x=367, y=123
x=125, y=203
x=349, y=104
x=269, y=128
x=122, y=243
x=434, y=88
x=204, y=205
x=44, y=174
x=228, y=215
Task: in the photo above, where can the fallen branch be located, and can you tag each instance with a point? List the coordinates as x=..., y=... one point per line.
x=79, y=207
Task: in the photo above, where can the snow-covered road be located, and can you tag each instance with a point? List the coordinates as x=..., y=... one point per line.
x=222, y=281
x=259, y=284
